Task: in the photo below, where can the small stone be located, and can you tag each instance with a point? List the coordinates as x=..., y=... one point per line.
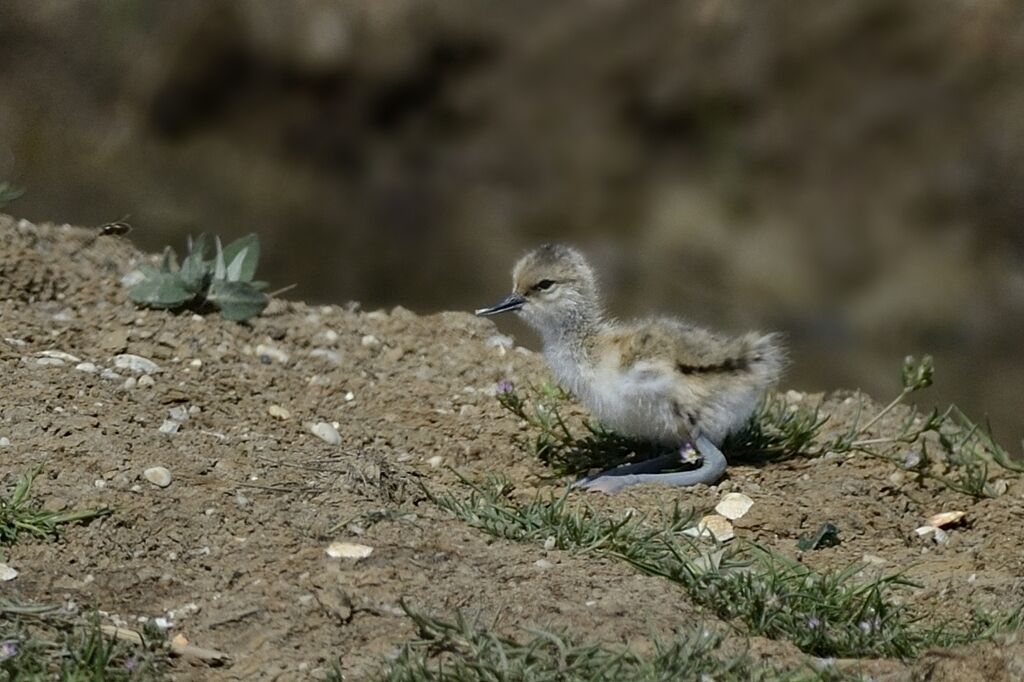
x=550, y=542
x=49, y=362
x=370, y=341
x=734, y=505
x=279, y=412
x=330, y=356
x=349, y=396
x=132, y=278
x=158, y=476
x=503, y=344
x=543, y=563
x=7, y=573
x=195, y=363
x=87, y=367
x=135, y=363
x=241, y=500
x=110, y=375
x=59, y=355
x=326, y=432
x=129, y=383
x=170, y=427
x=145, y=381
x=5, y=442
x=179, y=414
x=435, y=461
x=271, y=353
x=348, y=550
x=330, y=336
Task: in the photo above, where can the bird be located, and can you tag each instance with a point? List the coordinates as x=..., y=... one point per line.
x=662, y=380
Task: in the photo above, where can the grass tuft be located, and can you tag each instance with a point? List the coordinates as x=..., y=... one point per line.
x=829, y=614
x=21, y=515
x=40, y=642
x=461, y=650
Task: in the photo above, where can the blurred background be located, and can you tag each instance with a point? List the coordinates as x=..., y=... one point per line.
x=850, y=173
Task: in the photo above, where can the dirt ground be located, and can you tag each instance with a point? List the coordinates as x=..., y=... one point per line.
x=232, y=552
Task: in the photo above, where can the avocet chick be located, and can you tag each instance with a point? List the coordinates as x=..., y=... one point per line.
x=662, y=380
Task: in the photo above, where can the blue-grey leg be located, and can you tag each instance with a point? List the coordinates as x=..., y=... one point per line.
x=711, y=470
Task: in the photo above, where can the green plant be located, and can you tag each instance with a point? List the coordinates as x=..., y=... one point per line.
x=9, y=193
x=20, y=514
x=39, y=642
x=224, y=282
x=463, y=650
x=824, y=614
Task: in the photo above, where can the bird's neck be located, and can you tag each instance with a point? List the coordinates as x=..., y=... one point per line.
x=572, y=338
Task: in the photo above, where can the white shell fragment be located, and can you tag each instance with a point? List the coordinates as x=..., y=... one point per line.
x=712, y=525
x=158, y=476
x=944, y=519
x=135, y=363
x=7, y=573
x=348, y=550
x=734, y=505
x=326, y=432
x=59, y=355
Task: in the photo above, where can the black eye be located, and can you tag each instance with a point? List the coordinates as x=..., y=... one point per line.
x=544, y=285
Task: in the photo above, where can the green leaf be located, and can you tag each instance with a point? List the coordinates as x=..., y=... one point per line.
x=169, y=262
x=9, y=193
x=241, y=257
x=195, y=269
x=237, y=300
x=161, y=290
x=827, y=536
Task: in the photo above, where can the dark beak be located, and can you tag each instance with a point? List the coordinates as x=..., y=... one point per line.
x=512, y=302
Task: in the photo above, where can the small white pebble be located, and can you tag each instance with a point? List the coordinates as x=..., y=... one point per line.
x=327, y=433
x=158, y=476
x=59, y=355
x=196, y=363
x=543, y=563
x=99, y=483
x=550, y=542
x=179, y=414
x=87, y=367
x=5, y=442
x=350, y=396
x=435, y=461
x=135, y=363
x=330, y=336
x=145, y=381
x=7, y=573
x=170, y=427
x=129, y=383
x=279, y=412
x=49, y=362
x=271, y=353
x=370, y=341
x=348, y=550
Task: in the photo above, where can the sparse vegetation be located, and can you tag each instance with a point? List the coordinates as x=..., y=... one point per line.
x=824, y=614
x=21, y=514
x=464, y=651
x=224, y=282
x=39, y=642
x=779, y=430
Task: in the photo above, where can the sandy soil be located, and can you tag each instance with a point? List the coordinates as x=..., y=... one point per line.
x=232, y=551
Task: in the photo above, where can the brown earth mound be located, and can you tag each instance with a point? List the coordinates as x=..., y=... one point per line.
x=232, y=552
